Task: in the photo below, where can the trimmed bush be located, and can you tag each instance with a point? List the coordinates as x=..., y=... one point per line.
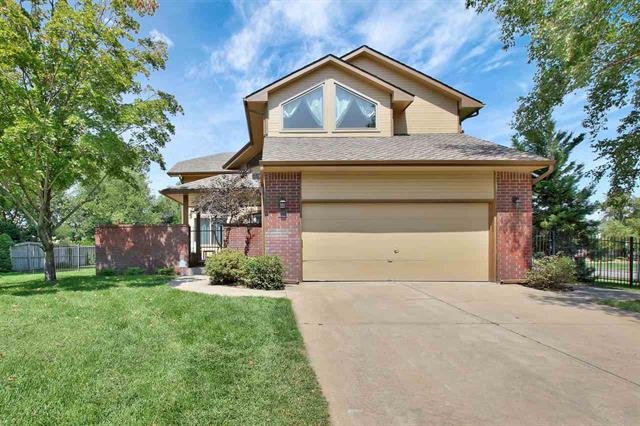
x=106, y=272
x=264, y=272
x=551, y=272
x=134, y=270
x=226, y=267
x=5, y=252
x=169, y=271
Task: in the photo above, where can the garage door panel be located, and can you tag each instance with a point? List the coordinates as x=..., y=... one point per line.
x=415, y=246
x=402, y=218
x=412, y=242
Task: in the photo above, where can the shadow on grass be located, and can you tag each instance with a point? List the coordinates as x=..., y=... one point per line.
x=590, y=298
x=35, y=285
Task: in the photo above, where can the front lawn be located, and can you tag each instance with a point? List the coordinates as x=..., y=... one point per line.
x=123, y=350
x=627, y=305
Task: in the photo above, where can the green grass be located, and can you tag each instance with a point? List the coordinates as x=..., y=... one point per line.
x=622, y=285
x=130, y=350
x=627, y=305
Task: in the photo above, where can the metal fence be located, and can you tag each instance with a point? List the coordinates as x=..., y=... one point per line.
x=210, y=241
x=29, y=257
x=601, y=259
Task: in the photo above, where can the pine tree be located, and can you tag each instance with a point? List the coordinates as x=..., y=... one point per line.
x=560, y=203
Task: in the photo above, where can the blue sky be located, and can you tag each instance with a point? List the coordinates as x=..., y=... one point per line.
x=220, y=52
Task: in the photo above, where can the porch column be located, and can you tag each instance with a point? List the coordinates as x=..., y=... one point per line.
x=198, y=237
x=185, y=209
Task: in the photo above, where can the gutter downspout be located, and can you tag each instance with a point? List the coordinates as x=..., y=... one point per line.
x=550, y=169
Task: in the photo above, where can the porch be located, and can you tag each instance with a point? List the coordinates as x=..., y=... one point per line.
x=208, y=236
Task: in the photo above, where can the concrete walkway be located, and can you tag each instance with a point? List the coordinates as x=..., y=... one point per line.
x=469, y=353
x=200, y=284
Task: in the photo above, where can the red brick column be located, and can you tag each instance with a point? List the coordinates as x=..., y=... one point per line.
x=513, y=225
x=282, y=234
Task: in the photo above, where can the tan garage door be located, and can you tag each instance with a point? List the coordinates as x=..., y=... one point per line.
x=404, y=242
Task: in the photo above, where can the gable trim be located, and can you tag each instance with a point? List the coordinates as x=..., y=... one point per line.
x=429, y=79
x=399, y=93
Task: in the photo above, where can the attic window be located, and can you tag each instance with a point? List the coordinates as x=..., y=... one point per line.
x=304, y=112
x=353, y=111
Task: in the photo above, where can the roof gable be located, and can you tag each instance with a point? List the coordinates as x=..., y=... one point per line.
x=398, y=94
x=466, y=101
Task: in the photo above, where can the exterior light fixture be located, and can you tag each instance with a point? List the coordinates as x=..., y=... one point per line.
x=516, y=201
x=283, y=207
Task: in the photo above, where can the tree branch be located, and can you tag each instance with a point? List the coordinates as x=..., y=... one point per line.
x=90, y=196
x=18, y=203
x=621, y=61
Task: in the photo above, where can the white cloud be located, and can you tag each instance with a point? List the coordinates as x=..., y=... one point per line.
x=276, y=37
x=497, y=61
x=160, y=36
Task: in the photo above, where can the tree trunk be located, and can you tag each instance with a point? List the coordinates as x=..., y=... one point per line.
x=225, y=240
x=45, y=235
x=49, y=263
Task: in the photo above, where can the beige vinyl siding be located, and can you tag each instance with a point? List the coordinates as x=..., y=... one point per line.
x=327, y=75
x=441, y=185
x=406, y=242
x=431, y=111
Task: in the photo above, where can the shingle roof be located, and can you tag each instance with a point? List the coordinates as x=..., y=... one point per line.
x=199, y=185
x=423, y=147
x=208, y=163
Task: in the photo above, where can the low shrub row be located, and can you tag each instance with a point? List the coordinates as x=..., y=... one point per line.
x=134, y=270
x=231, y=267
x=551, y=272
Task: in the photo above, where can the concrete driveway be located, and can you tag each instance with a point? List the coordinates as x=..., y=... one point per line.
x=469, y=353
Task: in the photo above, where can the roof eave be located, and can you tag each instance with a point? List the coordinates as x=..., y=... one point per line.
x=515, y=163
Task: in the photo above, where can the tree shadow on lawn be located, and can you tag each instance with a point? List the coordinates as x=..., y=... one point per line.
x=587, y=300
x=34, y=286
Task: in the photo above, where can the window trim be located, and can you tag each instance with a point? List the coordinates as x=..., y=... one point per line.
x=360, y=95
x=305, y=130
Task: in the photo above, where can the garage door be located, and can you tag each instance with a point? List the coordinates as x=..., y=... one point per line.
x=389, y=241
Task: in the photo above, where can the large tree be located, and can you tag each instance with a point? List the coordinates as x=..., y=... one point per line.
x=561, y=202
x=75, y=109
x=115, y=202
x=13, y=223
x=590, y=45
x=620, y=217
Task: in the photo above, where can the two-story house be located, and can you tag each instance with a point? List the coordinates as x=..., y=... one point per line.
x=366, y=175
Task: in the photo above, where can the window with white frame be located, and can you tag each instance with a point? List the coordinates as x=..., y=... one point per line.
x=353, y=111
x=304, y=111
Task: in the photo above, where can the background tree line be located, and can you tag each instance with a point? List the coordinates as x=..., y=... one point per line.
x=126, y=202
x=592, y=47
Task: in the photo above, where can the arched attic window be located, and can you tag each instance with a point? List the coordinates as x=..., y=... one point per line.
x=304, y=111
x=354, y=111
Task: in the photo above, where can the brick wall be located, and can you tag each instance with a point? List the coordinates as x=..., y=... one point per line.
x=513, y=225
x=282, y=234
x=248, y=240
x=145, y=246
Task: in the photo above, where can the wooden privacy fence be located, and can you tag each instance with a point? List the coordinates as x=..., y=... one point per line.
x=601, y=259
x=29, y=257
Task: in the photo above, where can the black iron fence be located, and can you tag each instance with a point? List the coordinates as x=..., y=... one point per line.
x=598, y=259
x=205, y=242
